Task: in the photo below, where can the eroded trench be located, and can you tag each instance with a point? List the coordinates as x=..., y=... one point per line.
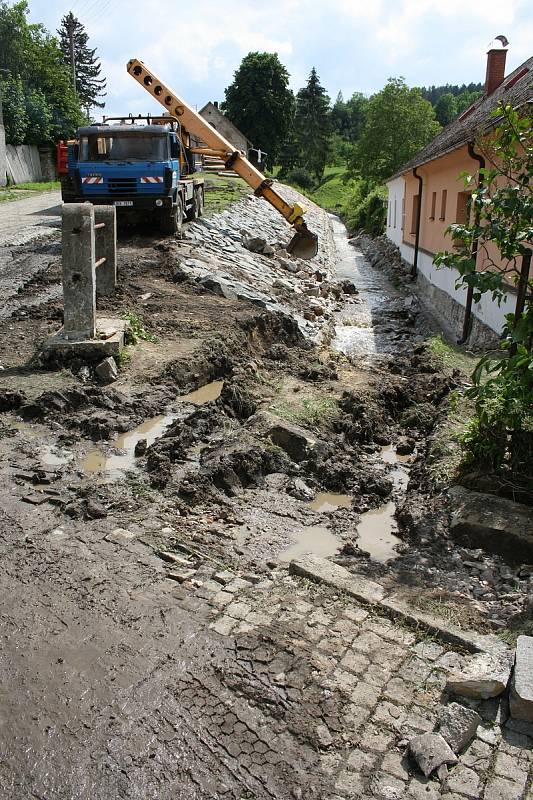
x=364, y=331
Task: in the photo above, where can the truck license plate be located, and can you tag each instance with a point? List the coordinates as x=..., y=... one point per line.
x=123, y=202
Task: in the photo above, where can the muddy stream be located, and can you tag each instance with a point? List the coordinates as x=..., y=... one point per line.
x=360, y=335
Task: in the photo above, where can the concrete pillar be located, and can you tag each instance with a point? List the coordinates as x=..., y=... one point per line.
x=106, y=247
x=79, y=279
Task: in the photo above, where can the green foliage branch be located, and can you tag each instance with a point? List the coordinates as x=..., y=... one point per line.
x=500, y=436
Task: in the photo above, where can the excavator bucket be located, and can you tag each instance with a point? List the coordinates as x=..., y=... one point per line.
x=303, y=244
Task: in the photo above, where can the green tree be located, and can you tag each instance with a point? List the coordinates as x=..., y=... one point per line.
x=347, y=117
x=260, y=103
x=446, y=108
x=398, y=122
x=14, y=110
x=29, y=54
x=312, y=125
x=87, y=68
x=40, y=118
x=501, y=212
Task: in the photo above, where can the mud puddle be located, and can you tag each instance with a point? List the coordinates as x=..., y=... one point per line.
x=378, y=527
x=315, y=539
x=115, y=465
x=326, y=501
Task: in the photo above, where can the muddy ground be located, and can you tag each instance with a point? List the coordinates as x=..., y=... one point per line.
x=268, y=407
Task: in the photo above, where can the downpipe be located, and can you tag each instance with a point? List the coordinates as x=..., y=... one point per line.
x=470, y=291
x=414, y=270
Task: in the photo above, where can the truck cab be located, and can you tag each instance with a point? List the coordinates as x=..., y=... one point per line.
x=146, y=171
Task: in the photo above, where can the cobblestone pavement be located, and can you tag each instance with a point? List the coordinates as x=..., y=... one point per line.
x=234, y=687
x=29, y=218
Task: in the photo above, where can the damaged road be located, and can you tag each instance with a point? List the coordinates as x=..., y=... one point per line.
x=155, y=641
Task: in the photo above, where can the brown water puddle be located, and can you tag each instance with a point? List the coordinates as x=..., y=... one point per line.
x=377, y=529
x=316, y=539
x=375, y=533
x=326, y=501
x=114, y=465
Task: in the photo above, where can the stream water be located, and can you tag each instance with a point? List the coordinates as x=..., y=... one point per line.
x=362, y=333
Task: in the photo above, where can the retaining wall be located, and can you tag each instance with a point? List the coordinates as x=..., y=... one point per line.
x=23, y=163
x=3, y=155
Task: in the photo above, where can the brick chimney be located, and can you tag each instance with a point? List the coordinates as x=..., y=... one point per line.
x=495, y=69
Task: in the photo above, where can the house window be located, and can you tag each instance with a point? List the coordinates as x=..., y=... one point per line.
x=394, y=212
x=415, y=213
x=433, y=204
x=403, y=213
x=462, y=213
x=388, y=215
x=443, y=204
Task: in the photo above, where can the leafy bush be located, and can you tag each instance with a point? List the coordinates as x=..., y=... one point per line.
x=300, y=177
x=501, y=433
x=367, y=211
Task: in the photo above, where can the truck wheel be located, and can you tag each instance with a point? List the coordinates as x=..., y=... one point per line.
x=172, y=220
x=199, y=202
x=192, y=212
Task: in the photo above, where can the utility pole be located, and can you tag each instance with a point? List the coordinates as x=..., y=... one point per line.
x=70, y=31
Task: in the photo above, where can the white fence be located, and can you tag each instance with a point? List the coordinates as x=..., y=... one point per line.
x=23, y=163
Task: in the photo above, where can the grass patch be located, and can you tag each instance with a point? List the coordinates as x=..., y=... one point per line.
x=221, y=192
x=38, y=186
x=309, y=411
x=451, y=356
x=334, y=190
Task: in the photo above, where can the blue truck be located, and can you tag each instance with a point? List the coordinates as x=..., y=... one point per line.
x=147, y=171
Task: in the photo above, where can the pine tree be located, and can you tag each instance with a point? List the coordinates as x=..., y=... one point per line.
x=312, y=125
x=86, y=68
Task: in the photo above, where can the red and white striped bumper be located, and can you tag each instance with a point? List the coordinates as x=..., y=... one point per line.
x=152, y=179
x=92, y=179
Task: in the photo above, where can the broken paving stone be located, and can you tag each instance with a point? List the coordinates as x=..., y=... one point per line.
x=521, y=695
x=107, y=370
x=485, y=675
x=430, y=751
x=175, y=558
x=458, y=725
x=223, y=577
x=181, y=575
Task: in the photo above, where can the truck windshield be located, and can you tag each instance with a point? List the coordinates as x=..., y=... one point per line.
x=124, y=147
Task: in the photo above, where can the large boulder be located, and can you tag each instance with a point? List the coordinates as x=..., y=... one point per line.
x=494, y=523
x=486, y=675
x=298, y=443
x=521, y=695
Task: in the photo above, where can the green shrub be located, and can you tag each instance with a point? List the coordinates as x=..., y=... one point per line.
x=300, y=177
x=367, y=211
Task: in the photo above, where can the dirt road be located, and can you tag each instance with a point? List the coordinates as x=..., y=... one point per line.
x=29, y=218
x=156, y=643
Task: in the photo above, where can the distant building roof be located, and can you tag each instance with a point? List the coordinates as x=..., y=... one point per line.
x=214, y=107
x=515, y=90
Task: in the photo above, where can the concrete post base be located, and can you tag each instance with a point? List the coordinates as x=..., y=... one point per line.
x=109, y=340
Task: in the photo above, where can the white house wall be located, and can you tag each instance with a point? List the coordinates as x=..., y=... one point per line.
x=395, y=214
x=488, y=313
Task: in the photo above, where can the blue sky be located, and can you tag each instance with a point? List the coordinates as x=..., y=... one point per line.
x=355, y=45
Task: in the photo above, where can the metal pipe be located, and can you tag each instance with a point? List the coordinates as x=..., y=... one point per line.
x=470, y=291
x=414, y=270
x=521, y=294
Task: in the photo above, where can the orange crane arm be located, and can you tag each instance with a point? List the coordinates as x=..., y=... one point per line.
x=304, y=243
